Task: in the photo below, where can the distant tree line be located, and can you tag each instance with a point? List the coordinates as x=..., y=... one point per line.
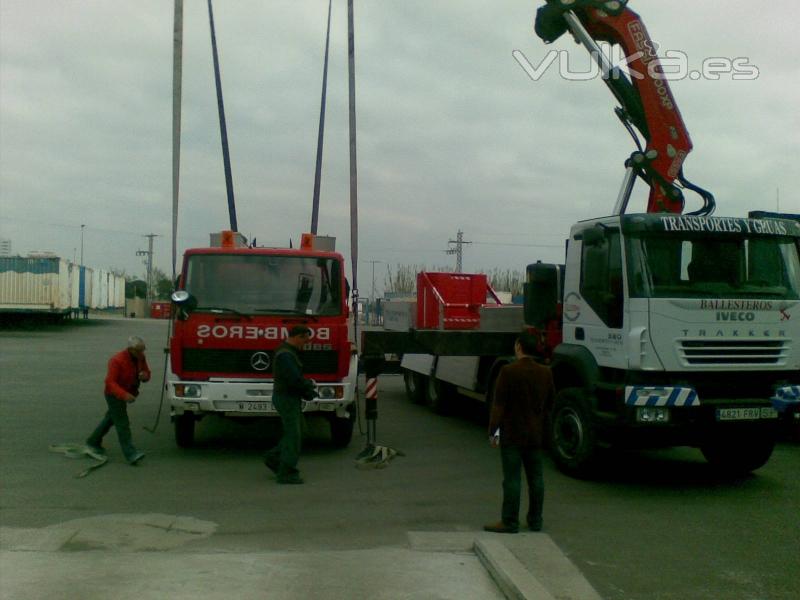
x=137, y=288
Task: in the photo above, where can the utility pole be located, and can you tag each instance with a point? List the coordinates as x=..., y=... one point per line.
x=82, y=228
x=148, y=263
x=459, y=242
x=372, y=293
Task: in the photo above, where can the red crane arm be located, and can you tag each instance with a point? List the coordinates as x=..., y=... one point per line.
x=646, y=97
x=668, y=136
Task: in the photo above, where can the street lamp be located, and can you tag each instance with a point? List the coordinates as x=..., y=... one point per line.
x=82, y=226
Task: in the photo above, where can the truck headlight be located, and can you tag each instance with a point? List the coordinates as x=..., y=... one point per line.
x=330, y=392
x=652, y=414
x=187, y=390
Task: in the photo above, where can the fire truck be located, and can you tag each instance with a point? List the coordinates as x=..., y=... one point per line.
x=234, y=306
x=663, y=328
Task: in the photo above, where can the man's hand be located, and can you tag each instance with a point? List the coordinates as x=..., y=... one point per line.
x=130, y=398
x=494, y=439
x=144, y=376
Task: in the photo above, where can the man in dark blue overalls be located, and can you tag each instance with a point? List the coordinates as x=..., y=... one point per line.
x=290, y=388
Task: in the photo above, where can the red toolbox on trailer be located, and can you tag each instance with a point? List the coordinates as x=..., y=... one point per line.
x=451, y=300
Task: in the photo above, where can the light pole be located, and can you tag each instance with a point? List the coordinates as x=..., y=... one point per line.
x=82, y=227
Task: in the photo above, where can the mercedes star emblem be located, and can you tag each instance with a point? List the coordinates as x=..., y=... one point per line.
x=260, y=361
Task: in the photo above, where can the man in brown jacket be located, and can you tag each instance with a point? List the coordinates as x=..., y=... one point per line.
x=523, y=396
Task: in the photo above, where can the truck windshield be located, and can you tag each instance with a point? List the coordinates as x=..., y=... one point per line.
x=699, y=266
x=265, y=284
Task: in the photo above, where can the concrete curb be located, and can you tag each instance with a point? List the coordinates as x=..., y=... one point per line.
x=510, y=575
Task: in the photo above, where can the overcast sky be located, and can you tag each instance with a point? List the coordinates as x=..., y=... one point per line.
x=452, y=133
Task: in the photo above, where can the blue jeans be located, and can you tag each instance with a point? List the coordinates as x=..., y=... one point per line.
x=514, y=459
x=116, y=416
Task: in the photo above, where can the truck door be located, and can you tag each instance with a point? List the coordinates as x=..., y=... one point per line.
x=601, y=287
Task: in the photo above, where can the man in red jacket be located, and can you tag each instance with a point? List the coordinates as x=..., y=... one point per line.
x=126, y=370
x=523, y=396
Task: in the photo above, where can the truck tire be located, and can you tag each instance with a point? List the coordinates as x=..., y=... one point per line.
x=184, y=430
x=573, y=439
x=439, y=395
x=415, y=386
x=342, y=430
x=737, y=453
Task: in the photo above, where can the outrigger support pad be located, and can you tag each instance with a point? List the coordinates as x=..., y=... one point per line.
x=373, y=456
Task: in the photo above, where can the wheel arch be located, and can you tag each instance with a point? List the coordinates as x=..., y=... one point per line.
x=574, y=366
x=492, y=374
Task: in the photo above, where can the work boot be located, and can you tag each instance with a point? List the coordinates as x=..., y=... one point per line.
x=500, y=527
x=136, y=458
x=535, y=525
x=290, y=479
x=272, y=464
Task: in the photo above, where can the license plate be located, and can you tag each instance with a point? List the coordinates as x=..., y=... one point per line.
x=253, y=406
x=746, y=414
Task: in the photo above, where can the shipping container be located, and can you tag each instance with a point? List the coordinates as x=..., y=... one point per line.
x=85, y=292
x=74, y=285
x=103, y=303
x=119, y=292
x=96, y=303
x=36, y=285
x=160, y=309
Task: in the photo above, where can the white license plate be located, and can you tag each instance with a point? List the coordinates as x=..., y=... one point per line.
x=746, y=414
x=252, y=406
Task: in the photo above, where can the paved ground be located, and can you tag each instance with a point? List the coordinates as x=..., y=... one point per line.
x=655, y=525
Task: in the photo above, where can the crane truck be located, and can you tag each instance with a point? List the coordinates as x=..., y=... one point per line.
x=664, y=328
x=234, y=306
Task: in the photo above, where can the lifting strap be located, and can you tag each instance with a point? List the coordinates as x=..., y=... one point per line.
x=351, y=71
x=80, y=451
x=223, y=128
x=320, y=135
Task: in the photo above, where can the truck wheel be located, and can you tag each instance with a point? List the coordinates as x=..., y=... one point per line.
x=738, y=453
x=415, y=386
x=572, y=435
x=184, y=430
x=440, y=396
x=342, y=430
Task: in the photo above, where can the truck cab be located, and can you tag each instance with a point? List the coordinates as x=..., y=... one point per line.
x=677, y=330
x=234, y=308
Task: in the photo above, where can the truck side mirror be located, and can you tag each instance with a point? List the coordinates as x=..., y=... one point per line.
x=185, y=303
x=594, y=236
x=180, y=296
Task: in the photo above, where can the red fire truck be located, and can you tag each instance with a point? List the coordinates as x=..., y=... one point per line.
x=234, y=306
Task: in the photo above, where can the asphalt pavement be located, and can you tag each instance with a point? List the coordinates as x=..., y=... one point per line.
x=655, y=525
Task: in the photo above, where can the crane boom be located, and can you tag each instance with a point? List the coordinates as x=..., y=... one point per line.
x=646, y=100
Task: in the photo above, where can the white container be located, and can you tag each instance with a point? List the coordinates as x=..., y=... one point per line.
x=95, y=303
x=399, y=315
x=88, y=281
x=74, y=285
x=119, y=292
x=103, y=289
x=35, y=284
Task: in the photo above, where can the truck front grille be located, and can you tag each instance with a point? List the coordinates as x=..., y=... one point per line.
x=239, y=361
x=733, y=353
